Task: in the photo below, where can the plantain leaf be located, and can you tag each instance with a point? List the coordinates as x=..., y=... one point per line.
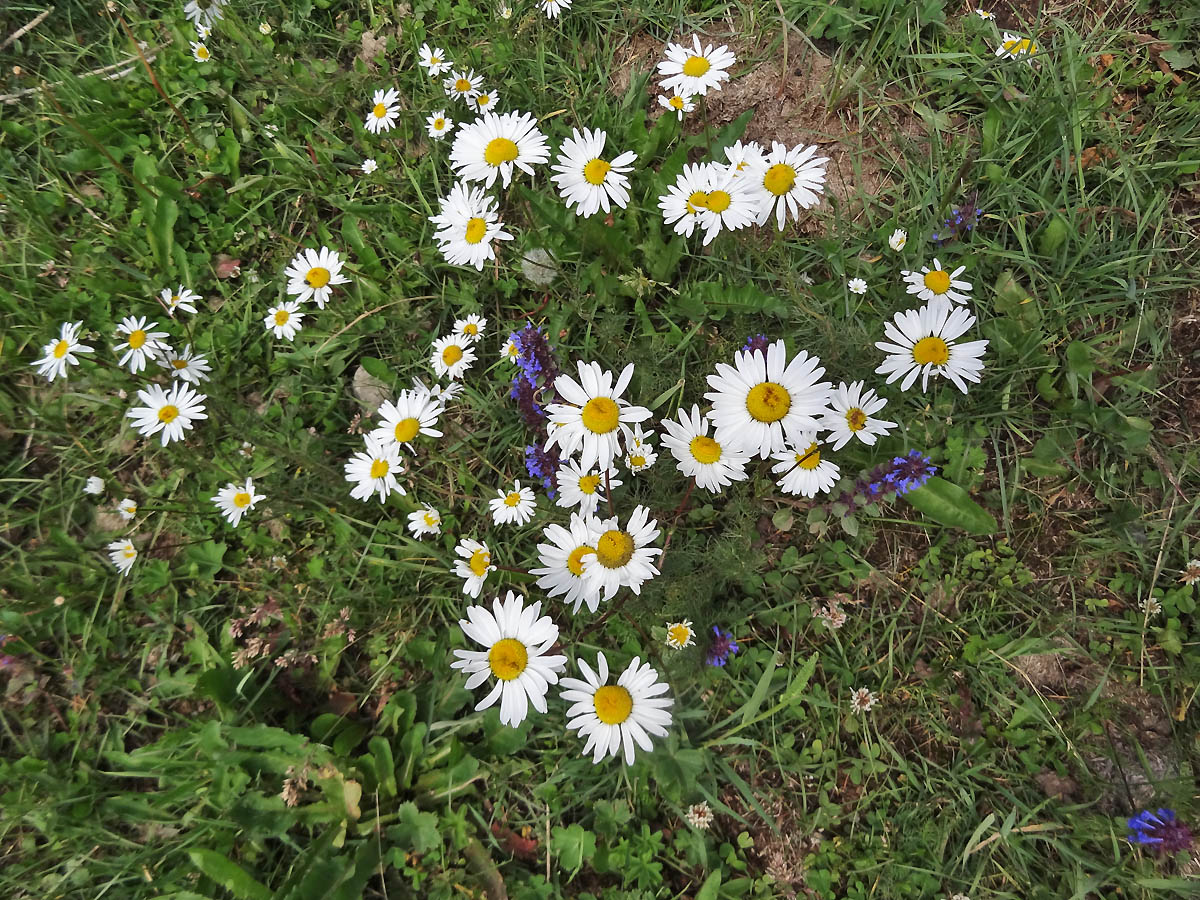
x=948, y=504
x=229, y=875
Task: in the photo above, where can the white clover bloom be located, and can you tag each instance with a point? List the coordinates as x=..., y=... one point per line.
x=863, y=700
x=700, y=816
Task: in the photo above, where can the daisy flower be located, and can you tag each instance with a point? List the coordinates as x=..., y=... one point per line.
x=470, y=328
x=510, y=352
x=857, y=286
x=585, y=179
x=425, y=520
x=743, y=156
x=374, y=470
x=439, y=125
x=437, y=393
x=203, y=31
x=94, y=485
x=1013, y=46
x=863, y=700
x=127, y=508
x=932, y=284
x=313, y=273
x=284, y=319
x=729, y=203
x=504, y=11
x=639, y=459
x=200, y=51
x=368, y=166
x=452, y=357
x=692, y=70
x=514, y=506
x=264, y=28
x=204, y=12
x=484, y=101
x=123, y=555
x=594, y=414
x=922, y=342
x=561, y=570
x=623, y=556
x=553, y=8
x=1191, y=572
x=234, y=500
x=614, y=715
x=581, y=487
x=517, y=638
x=677, y=104
x=700, y=815
x=467, y=225
x=187, y=366
x=762, y=401
x=385, y=111
x=680, y=634
x=684, y=202
x=410, y=415
x=803, y=471
x=141, y=343
x=787, y=181
x=463, y=85
x=474, y=566
x=714, y=465
x=180, y=299
x=898, y=239
x=493, y=145
x=59, y=354
x=984, y=14
x=433, y=60
x=171, y=412
x=853, y=416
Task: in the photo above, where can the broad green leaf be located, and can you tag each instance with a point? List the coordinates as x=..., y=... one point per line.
x=229, y=875
x=414, y=830
x=711, y=887
x=948, y=504
x=572, y=845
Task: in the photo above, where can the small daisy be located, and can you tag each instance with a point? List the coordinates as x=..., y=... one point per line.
x=313, y=273
x=484, y=101
x=204, y=12
x=922, y=342
x=787, y=181
x=553, y=8
x=853, y=416
x=492, y=145
x=410, y=415
x=729, y=203
x=712, y=464
x=385, y=111
x=677, y=104
x=510, y=352
x=368, y=166
x=985, y=15
x=1191, y=572
x=742, y=157
x=180, y=299
x=474, y=566
x=856, y=286
x=203, y=31
x=561, y=570
x=513, y=506
x=471, y=328
x=583, y=488
x=680, y=634
x=59, y=354
x=1013, y=46
x=586, y=180
x=264, y=28
x=699, y=816
x=123, y=555
x=517, y=638
x=94, y=485
x=452, y=357
x=439, y=125
x=425, y=520
x=863, y=700
x=803, y=470
x=614, y=715
x=437, y=393
x=374, y=470
x=433, y=60
x=932, y=284
x=234, y=500
x=685, y=201
x=694, y=70
x=187, y=366
x=284, y=319
x=504, y=11
x=200, y=51
x=468, y=223
x=594, y=415
x=171, y=412
x=463, y=85
x=141, y=343
x=898, y=239
x=639, y=459
x=127, y=508
x=1150, y=606
x=623, y=556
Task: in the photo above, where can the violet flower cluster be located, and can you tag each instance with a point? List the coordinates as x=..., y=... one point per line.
x=721, y=647
x=899, y=476
x=1159, y=830
x=532, y=388
x=961, y=222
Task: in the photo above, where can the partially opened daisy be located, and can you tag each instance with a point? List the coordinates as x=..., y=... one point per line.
x=204, y=12
x=60, y=353
x=368, y=166
x=515, y=505
x=685, y=202
x=187, y=366
x=200, y=51
x=898, y=239
x=284, y=319
x=616, y=716
x=561, y=569
x=439, y=125
x=411, y=414
x=729, y=203
x=639, y=459
x=179, y=299
x=373, y=470
x=470, y=328
x=677, y=104
x=680, y=634
x=234, y=500
x=1013, y=46
x=170, y=413
x=695, y=70
x=433, y=60
x=452, y=357
x=463, y=85
x=313, y=273
x=922, y=342
x=510, y=352
x=932, y=284
x=714, y=465
x=385, y=111
x=492, y=145
x=853, y=416
x=581, y=487
x=123, y=555
x=425, y=520
x=141, y=344
x=803, y=470
x=468, y=223
x=594, y=416
x=763, y=401
x=787, y=181
x=127, y=508
x=554, y=8
x=586, y=180
x=742, y=157
x=623, y=556
x=474, y=566
x=484, y=101
x=517, y=638
x=94, y=485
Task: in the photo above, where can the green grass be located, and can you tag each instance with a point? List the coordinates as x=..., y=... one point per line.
x=140, y=761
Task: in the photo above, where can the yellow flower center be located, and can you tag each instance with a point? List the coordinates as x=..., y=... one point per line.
x=696, y=66
x=856, y=419
x=476, y=229
x=513, y=351
x=1021, y=46
x=507, y=658
x=479, y=562
x=435, y=60
x=705, y=449
x=380, y=468
x=614, y=549
x=768, y=402
x=483, y=100
x=431, y=520
x=137, y=339
x=241, y=499
x=600, y=415
x=202, y=52
x=718, y=201
x=679, y=633
x=452, y=354
x=937, y=281
x=589, y=483
x=379, y=111
x=810, y=458
x=613, y=704
x=168, y=414
x=61, y=348
x=129, y=552
x=931, y=350
x=462, y=85
x=697, y=201
x=406, y=429
x=575, y=559
x=179, y=363
x=317, y=277
x=780, y=179
x=596, y=171
x=282, y=316
x=500, y=150
x=676, y=102
x=512, y=499
x=637, y=461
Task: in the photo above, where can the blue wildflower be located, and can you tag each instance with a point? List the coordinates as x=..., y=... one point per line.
x=543, y=464
x=721, y=648
x=1160, y=830
x=756, y=342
